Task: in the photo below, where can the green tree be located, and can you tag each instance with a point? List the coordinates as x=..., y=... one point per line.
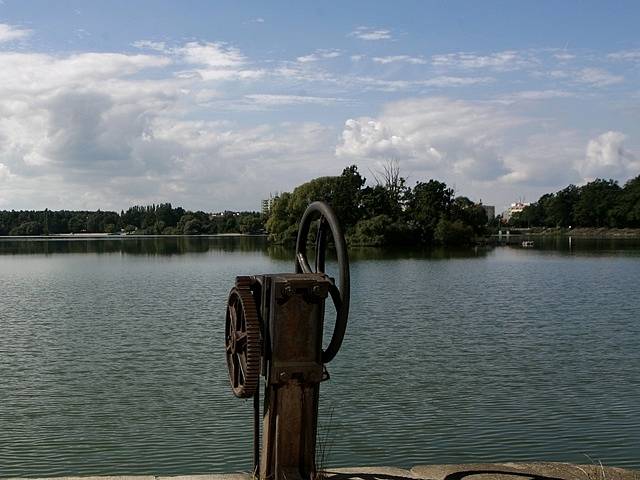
x=250, y=223
x=427, y=204
x=454, y=232
x=378, y=200
x=77, y=223
x=27, y=228
x=596, y=201
x=630, y=198
x=469, y=213
x=341, y=192
x=559, y=209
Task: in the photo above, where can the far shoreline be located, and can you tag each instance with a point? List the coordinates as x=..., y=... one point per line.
x=582, y=232
x=102, y=236
x=540, y=232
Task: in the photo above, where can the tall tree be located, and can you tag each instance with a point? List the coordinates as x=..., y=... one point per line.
x=428, y=202
x=596, y=200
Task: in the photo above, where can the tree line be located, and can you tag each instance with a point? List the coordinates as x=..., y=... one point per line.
x=600, y=203
x=161, y=219
x=386, y=214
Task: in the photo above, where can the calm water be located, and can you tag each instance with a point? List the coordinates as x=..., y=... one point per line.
x=111, y=356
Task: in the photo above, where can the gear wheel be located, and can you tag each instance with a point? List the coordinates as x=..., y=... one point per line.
x=242, y=339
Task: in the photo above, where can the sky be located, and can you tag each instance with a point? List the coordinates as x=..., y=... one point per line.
x=216, y=105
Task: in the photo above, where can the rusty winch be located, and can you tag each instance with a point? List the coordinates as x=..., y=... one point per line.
x=274, y=329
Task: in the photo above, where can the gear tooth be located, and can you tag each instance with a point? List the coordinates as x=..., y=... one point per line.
x=253, y=348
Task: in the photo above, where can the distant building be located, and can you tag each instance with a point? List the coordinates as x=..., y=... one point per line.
x=516, y=207
x=267, y=204
x=490, y=210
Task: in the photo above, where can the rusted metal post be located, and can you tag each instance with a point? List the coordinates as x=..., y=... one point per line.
x=296, y=316
x=274, y=326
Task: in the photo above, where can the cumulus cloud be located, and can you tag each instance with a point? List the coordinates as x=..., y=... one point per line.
x=9, y=33
x=485, y=147
x=606, y=157
x=106, y=130
x=32, y=72
x=371, y=34
x=544, y=160
x=435, y=135
x=76, y=113
x=90, y=131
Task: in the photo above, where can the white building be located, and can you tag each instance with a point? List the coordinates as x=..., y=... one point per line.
x=516, y=207
x=267, y=204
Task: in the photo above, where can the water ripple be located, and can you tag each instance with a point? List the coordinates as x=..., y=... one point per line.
x=112, y=364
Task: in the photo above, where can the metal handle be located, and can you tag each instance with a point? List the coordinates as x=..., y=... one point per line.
x=339, y=294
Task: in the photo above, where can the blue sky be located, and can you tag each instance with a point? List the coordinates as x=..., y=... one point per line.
x=213, y=105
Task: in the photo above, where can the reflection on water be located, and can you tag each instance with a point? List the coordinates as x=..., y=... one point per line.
x=165, y=245
x=112, y=359
x=133, y=245
x=587, y=246
x=176, y=245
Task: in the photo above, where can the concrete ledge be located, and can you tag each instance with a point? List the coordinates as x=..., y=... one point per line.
x=471, y=471
x=523, y=471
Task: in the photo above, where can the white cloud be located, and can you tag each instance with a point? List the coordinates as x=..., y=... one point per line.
x=606, y=157
x=319, y=55
x=533, y=95
x=505, y=60
x=277, y=100
x=558, y=74
x=302, y=72
x=543, y=159
x=86, y=131
x=371, y=83
x=5, y=173
x=215, y=61
x=433, y=136
x=32, y=72
x=563, y=56
x=9, y=33
x=371, y=34
x=400, y=58
x=448, y=81
x=597, y=77
x=486, y=148
x=150, y=45
x=625, y=55
x=211, y=54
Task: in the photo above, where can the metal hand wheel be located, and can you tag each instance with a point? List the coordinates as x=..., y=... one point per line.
x=340, y=294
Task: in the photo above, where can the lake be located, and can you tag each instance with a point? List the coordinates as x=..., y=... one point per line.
x=112, y=356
